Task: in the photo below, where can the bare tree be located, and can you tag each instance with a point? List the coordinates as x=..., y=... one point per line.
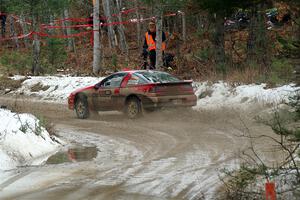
x=111, y=32
x=71, y=44
x=97, y=44
x=12, y=31
x=138, y=25
x=24, y=28
x=158, y=17
x=123, y=42
x=183, y=26
x=36, y=46
x=219, y=43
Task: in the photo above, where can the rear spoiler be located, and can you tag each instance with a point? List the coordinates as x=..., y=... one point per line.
x=175, y=83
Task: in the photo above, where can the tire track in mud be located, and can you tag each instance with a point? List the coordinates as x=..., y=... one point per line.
x=168, y=154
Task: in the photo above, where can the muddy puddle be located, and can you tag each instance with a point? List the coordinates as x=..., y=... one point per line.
x=76, y=154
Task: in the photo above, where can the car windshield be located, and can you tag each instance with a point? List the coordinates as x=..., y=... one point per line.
x=157, y=77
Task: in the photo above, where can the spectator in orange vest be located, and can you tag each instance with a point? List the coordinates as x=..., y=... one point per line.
x=149, y=47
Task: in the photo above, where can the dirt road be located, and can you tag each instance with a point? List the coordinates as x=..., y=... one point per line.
x=170, y=154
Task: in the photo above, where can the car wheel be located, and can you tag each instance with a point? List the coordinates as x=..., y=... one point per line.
x=81, y=108
x=133, y=108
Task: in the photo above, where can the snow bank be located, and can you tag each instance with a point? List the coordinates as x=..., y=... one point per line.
x=211, y=96
x=55, y=88
x=23, y=141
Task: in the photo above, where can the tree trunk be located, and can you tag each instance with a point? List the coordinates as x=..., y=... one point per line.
x=97, y=44
x=24, y=29
x=138, y=25
x=36, y=47
x=71, y=44
x=261, y=40
x=252, y=36
x=123, y=42
x=159, y=58
x=219, y=43
x=257, y=44
x=183, y=27
x=12, y=31
x=111, y=32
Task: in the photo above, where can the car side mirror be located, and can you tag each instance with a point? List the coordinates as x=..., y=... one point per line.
x=96, y=87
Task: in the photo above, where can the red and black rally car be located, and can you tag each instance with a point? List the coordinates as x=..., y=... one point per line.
x=132, y=92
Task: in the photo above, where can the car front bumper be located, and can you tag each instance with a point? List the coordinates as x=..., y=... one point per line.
x=71, y=102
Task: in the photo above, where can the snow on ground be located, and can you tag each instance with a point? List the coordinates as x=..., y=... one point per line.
x=211, y=96
x=55, y=88
x=223, y=95
x=23, y=140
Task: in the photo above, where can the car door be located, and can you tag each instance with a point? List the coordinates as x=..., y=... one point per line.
x=106, y=96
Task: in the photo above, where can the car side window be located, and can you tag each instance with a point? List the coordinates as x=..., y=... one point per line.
x=136, y=80
x=113, y=80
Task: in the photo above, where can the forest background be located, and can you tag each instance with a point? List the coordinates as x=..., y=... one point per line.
x=239, y=41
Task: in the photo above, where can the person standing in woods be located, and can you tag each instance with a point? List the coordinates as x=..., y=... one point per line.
x=149, y=47
x=3, y=22
x=91, y=21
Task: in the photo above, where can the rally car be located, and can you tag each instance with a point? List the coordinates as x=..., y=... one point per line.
x=132, y=92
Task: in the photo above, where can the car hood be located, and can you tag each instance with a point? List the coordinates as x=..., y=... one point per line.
x=83, y=89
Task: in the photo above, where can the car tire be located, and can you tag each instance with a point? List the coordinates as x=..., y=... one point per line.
x=133, y=108
x=82, y=108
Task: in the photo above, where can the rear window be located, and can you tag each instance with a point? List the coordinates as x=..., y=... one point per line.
x=157, y=77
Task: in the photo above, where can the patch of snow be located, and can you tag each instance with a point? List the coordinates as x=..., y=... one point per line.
x=221, y=94
x=18, y=77
x=58, y=87
x=23, y=141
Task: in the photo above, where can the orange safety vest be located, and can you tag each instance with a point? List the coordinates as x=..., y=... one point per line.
x=151, y=43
